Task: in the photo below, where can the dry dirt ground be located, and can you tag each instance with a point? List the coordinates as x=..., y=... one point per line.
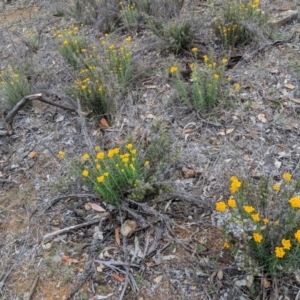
x=258, y=135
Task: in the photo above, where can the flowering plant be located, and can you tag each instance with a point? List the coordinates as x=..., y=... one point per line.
x=111, y=174
x=262, y=225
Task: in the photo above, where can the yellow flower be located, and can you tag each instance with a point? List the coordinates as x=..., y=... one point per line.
x=224, y=60
x=61, y=154
x=65, y=42
x=133, y=151
x=85, y=173
x=106, y=174
x=132, y=167
x=237, y=86
x=235, y=184
x=205, y=58
x=83, y=50
x=229, y=78
x=295, y=202
x=276, y=223
x=100, y=155
x=286, y=244
x=255, y=217
x=194, y=50
x=287, y=177
x=257, y=237
x=231, y=203
x=128, y=39
x=276, y=187
x=147, y=163
x=221, y=206
x=98, y=166
x=173, y=69
x=125, y=160
x=226, y=245
x=85, y=156
x=279, y=252
x=129, y=146
x=97, y=148
x=266, y=221
x=297, y=235
x=248, y=209
x=216, y=76
x=100, y=178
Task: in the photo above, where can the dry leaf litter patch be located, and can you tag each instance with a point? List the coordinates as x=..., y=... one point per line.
x=257, y=136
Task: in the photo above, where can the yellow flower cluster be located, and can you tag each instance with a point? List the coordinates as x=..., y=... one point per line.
x=235, y=184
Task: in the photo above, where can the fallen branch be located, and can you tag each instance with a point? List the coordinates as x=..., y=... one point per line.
x=57, y=199
x=10, y=117
x=68, y=229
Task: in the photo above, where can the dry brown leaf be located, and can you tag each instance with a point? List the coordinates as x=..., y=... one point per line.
x=33, y=154
x=158, y=279
x=262, y=118
x=188, y=173
x=87, y=206
x=289, y=86
x=68, y=260
x=255, y=105
x=295, y=100
x=104, y=123
x=117, y=236
x=150, y=116
x=220, y=274
x=97, y=207
x=128, y=227
x=227, y=131
x=119, y=277
x=189, y=130
x=266, y=283
x=100, y=268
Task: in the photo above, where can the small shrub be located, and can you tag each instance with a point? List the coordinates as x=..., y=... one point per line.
x=129, y=15
x=208, y=84
x=119, y=62
x=112, y=174
x=32, y=40
x=14, y=86
x=72, y=46
x=262, y=224
x=233, y=28
x=176, y=35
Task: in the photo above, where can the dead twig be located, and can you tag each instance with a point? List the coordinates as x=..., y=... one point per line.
x=33, y=287
x=63, y=197
x=5, y=276
x=10, y=116
x=72, y=294
x=109, y=263
x=127, y=266
x=68, y=229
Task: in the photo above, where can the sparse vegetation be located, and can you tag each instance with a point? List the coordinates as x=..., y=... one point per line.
x=178, y=94
x=262, y=227
x=14, y=86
